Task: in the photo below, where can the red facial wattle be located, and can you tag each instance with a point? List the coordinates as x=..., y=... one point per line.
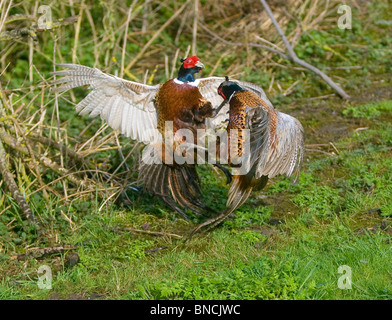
x=220, y=92
x=190, y=62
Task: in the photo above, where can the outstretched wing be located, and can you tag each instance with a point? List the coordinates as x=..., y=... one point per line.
x=125, y=105
x=208, y=88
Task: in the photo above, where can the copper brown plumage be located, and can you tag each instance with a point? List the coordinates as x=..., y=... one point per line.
x=177, y=103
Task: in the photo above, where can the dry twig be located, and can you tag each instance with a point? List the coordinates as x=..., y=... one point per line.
x=13, y=188
x=39, y=253
x=293, y=56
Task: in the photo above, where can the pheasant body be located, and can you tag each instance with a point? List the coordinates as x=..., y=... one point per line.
x=275, y=144
x=182, y=104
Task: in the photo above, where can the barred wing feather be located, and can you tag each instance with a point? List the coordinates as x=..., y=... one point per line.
x=286, y=152
x=126, y=106
x=276, y=153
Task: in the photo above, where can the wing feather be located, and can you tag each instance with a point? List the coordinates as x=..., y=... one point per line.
x=208, y=88
x=271, y=153
x=126, y=106
x=290, y=141
x=283, y=153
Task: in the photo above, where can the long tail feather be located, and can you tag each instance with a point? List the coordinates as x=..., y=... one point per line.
x=174, y=184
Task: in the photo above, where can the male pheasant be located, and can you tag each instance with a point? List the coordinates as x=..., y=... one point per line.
x=267, y=142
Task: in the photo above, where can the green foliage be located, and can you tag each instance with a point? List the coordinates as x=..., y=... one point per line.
x=368, y=111
x=257, y=280
x=319, y=200
x=250, y=236
x=326, y=213
x=246, y=216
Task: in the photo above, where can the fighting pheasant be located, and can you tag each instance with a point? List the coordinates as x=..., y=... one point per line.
x=140, y=111
x=267, y=142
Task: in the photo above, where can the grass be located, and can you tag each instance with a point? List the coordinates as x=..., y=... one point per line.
x=369, y=110
x=286, y=242
x=325, y=225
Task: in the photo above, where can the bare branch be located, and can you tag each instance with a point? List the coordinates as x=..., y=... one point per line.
x=26, y=32
x=293, y=57
x=13, y=188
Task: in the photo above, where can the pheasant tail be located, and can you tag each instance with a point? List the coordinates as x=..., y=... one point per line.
x=241, y=188
x=174, y=182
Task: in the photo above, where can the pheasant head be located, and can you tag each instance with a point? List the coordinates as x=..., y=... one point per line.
x=227, y=88
x=189, y=67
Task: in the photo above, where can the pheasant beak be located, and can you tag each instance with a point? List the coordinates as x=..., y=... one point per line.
x=199, y=64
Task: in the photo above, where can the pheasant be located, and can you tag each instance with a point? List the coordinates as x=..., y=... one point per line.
x=140, y=111
x=273, y=145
